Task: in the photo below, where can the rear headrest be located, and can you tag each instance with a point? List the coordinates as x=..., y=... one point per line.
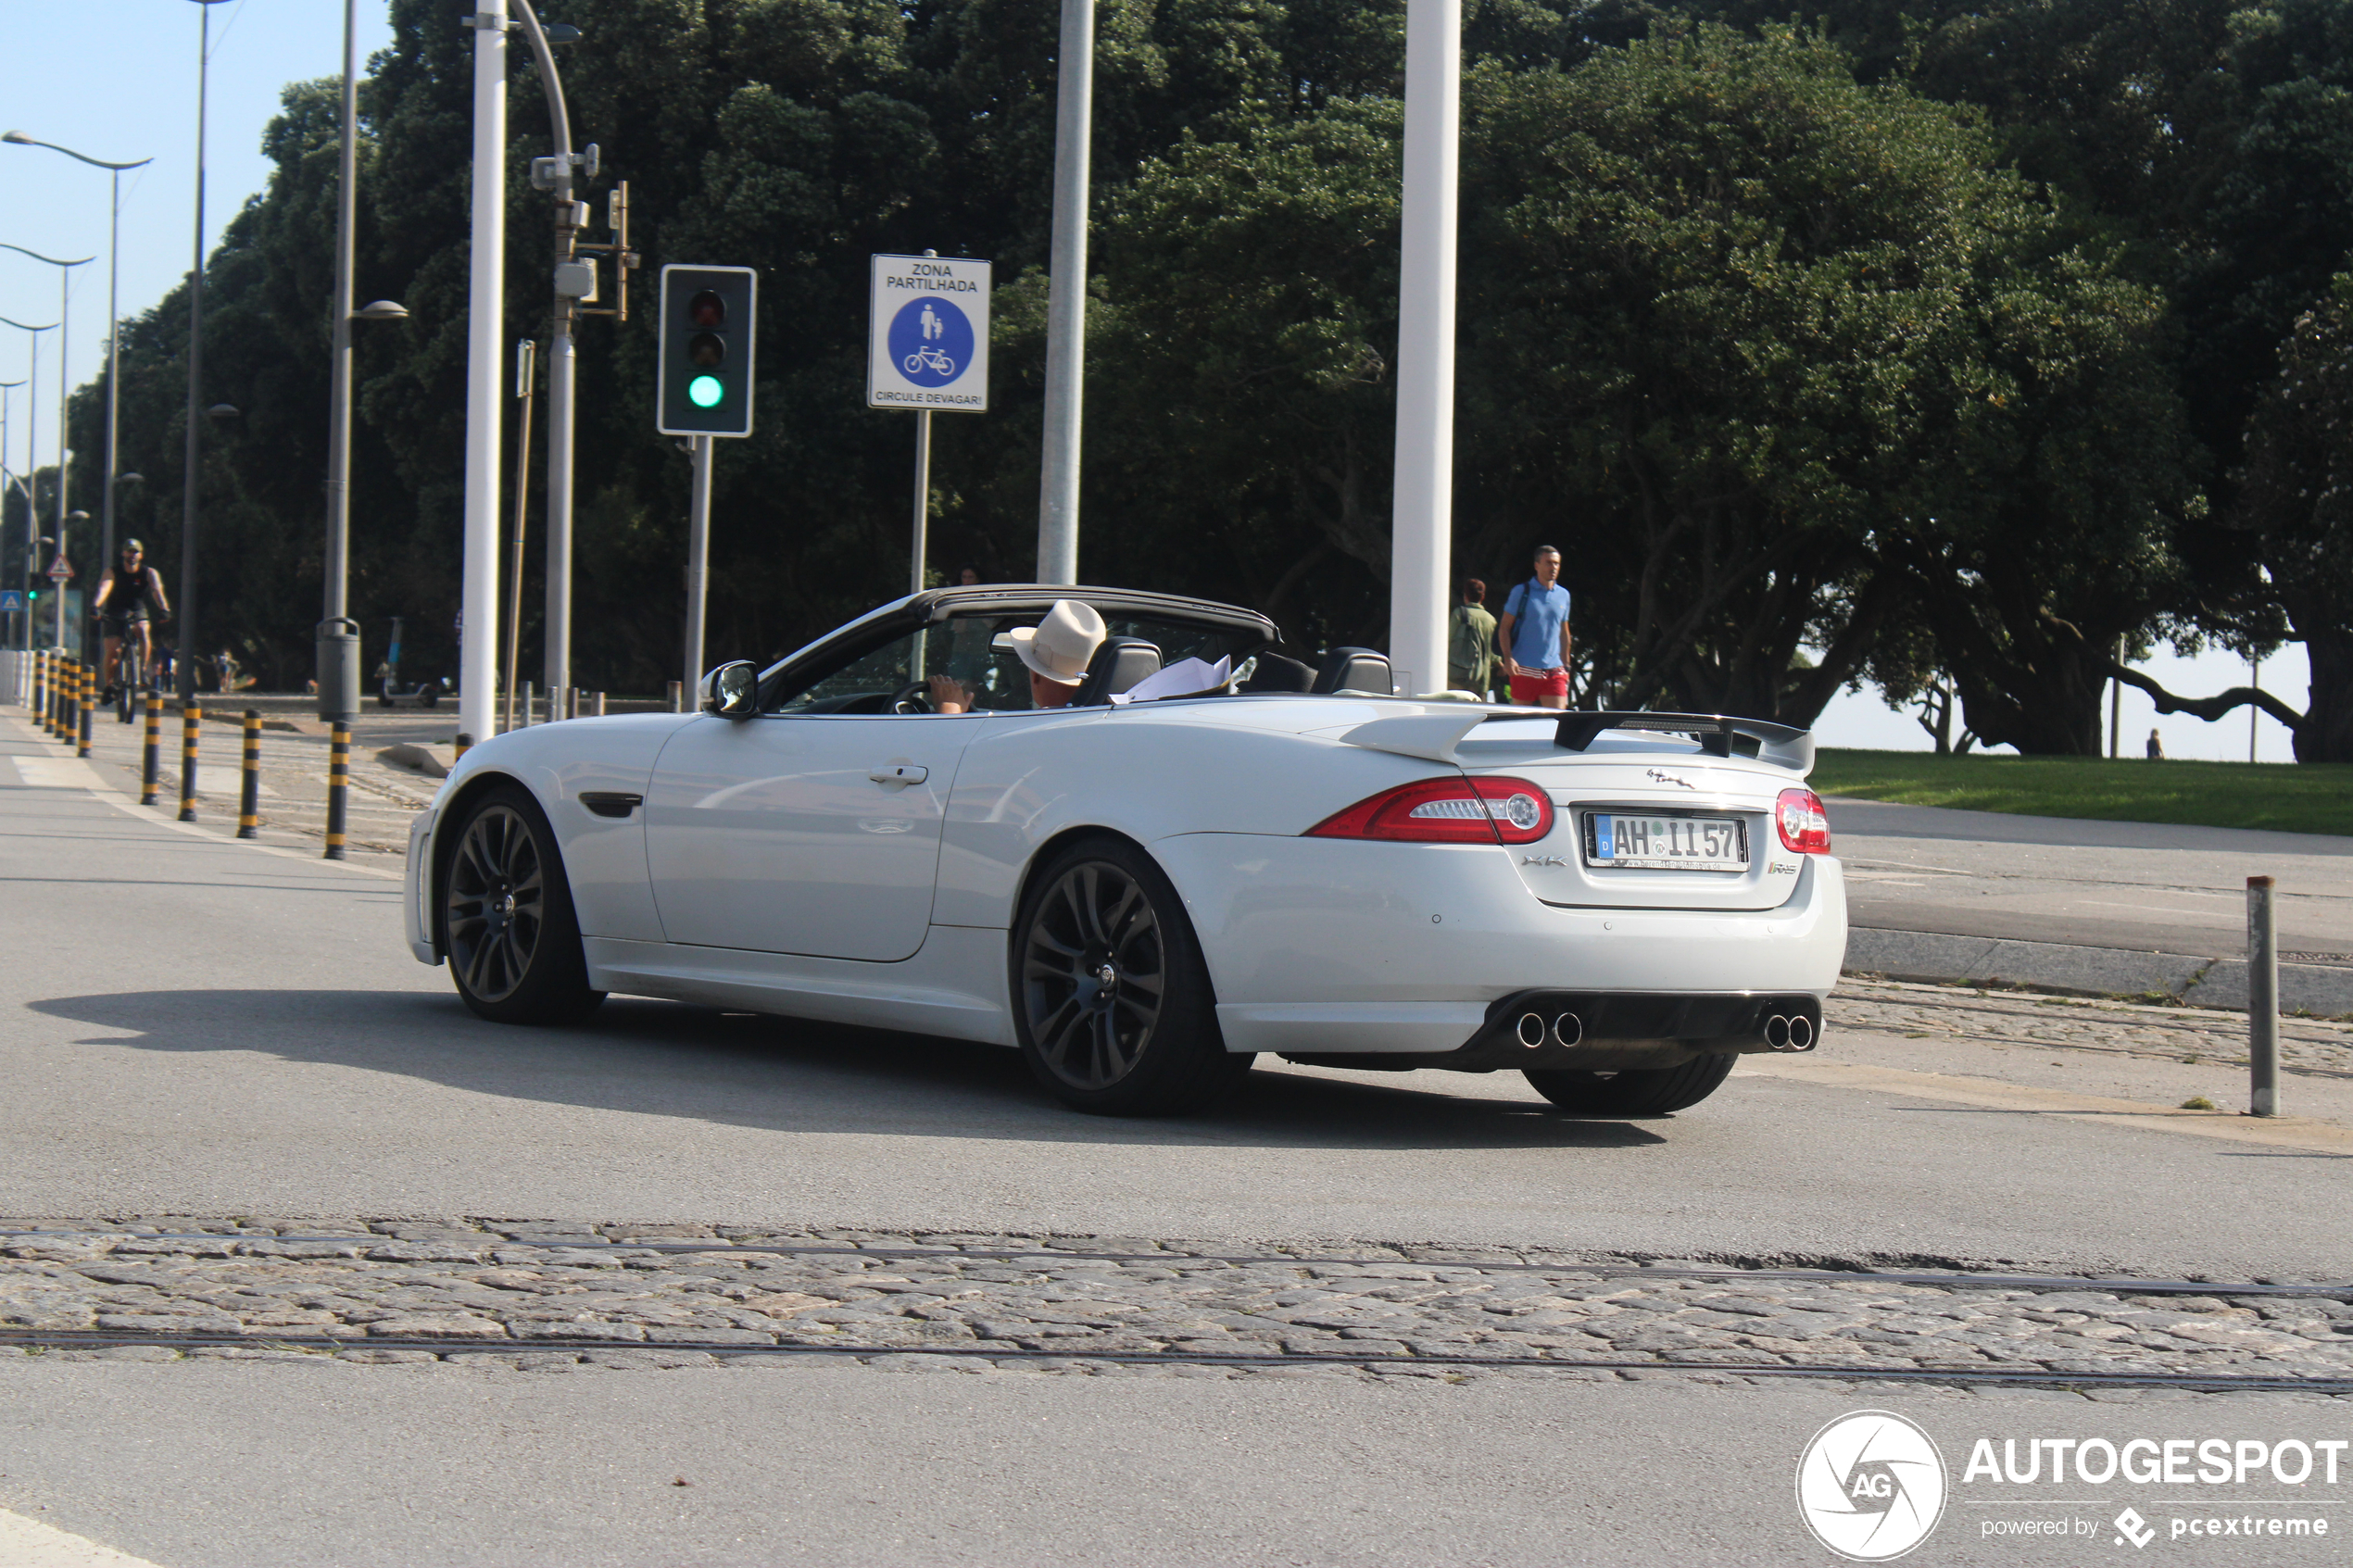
x=1276, y=673
x=1354, y=669
x=1118, y=665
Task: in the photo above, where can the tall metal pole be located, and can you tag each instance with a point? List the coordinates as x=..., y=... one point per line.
x=922, y=499
x=562, y=362
x=2262, y=1000
x=1422, y=539
x=1066, y=297
x=30, y=529
x=65, y=460
x=697, y=560
x=525, y=354
x=29, y=483
x=478, y=646
x=339, y=386
x=114, y=363
x=185, y=677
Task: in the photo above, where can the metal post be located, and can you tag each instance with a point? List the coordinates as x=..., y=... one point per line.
x=338, y=788
x=2262, y=1000
x=65, y=457
x=562, y=358
x=250, y=791
x=88, y=705
x=524, y=352
x=151, y=755
x=923, y=497
x=338, y=570
x=2254, y=678
x=478, y=651
x=1066, y=296
x=74, y=687
x=1421, y=544
x=677, y=698
x=191, y=721
x=697, y=559
x=192, y=462
x=114, y=366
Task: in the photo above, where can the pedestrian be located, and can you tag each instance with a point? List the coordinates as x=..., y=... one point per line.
x=2156, y=747
x=1470, y=643
x=1534, y=631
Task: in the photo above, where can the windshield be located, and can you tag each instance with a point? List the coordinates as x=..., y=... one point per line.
x=964, y=648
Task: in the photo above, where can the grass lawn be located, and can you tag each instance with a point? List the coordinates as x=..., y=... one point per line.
x=2297, y=798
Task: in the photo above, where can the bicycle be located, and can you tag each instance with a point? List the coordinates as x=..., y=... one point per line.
x=129, y=675
x=931, y=360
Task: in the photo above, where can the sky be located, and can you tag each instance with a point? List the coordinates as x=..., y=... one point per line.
x=117, y=80
x=146, y=107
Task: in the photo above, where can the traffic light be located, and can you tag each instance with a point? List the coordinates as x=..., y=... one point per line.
x=707, y=320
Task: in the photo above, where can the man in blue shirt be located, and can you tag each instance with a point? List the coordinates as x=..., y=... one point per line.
x=1534, y=631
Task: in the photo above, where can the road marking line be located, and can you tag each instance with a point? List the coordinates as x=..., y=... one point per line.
x=28, y=1543
x=2281, y=1132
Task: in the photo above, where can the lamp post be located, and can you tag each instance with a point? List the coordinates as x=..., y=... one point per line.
x=185, y=677
x=338, y=638
x=114, y=354
x=6, y=480
x=65, y=387
x=1066, y=296
x=31, y=454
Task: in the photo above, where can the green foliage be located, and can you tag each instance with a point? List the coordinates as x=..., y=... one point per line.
x=2219, y=795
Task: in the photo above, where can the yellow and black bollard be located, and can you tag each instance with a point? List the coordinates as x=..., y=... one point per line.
x=338, y=789
x=40, y=688
x=191, y=716
x=151, y=764
x=465, y=743
x=72, y=715
x=88, y=705
x=249, y=795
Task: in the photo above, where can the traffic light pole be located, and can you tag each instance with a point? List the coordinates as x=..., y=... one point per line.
x=478, y=635
x=698, y=561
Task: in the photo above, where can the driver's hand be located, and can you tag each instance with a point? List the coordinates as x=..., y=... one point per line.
x=947, y=694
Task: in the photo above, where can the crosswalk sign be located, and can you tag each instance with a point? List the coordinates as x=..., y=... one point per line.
x=10, y=599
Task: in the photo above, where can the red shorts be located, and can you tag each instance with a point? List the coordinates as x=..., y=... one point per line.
x=1527, y=687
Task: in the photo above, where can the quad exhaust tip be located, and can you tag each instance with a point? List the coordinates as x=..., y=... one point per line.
x=1801, y=1034
x=1532, y=1030
x=1777, y=1032
x=1567, y=1029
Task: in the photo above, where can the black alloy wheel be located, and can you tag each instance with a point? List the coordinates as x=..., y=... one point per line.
x=1111, y=999
x=1654, y=1091
x=508, y=925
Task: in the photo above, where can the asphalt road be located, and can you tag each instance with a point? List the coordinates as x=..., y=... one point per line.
x=199, y=1026
x=2144, y=886
x=257, y=1466
x=192, y=1025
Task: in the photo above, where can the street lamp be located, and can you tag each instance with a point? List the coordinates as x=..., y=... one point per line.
x=31, y=452
x=114, y=354
x=64, y=383
x=337, y=639
x=185, y=678
x=7, y=480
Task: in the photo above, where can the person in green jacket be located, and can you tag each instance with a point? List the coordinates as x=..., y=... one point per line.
x=1470, y=642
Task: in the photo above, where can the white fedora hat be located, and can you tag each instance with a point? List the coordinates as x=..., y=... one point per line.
x=1059, y=647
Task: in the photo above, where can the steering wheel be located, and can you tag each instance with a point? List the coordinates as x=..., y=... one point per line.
x=912, y=697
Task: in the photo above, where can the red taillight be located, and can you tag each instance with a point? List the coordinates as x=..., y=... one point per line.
x=1447, y=811
x=1804, y=826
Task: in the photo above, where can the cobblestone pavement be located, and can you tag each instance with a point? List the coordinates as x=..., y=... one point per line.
x=2008, y=1018
x=504, y=1286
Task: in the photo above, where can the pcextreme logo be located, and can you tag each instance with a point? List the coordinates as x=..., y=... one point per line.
x=1870, y=1485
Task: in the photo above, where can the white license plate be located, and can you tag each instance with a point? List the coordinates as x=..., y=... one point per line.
x=1666, y=844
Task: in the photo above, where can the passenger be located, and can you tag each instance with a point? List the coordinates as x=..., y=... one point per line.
x=1056, y=652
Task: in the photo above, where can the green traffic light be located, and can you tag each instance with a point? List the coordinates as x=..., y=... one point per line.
x=704, y=392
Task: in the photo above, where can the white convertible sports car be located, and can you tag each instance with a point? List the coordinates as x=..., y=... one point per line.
x=1140, y=896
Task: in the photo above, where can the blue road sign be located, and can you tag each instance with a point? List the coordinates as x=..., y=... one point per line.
x=10, y=599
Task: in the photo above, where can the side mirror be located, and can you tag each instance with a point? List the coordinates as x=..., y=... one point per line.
x=731, y=691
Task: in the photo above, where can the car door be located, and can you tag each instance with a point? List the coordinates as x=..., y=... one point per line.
x=808, y=833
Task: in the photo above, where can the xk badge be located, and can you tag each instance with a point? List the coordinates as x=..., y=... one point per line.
x=1870, y=1485
x=1542, y=861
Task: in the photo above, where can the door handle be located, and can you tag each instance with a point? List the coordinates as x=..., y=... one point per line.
x=900, y=773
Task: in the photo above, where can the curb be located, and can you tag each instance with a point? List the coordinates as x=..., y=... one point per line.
x=1934, y=957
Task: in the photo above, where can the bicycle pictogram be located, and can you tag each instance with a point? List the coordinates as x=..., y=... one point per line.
x=929, y=359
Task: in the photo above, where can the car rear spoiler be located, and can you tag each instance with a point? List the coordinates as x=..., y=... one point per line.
x=1435, y=735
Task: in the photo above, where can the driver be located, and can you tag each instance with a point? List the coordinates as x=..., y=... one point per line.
x=1056, y=651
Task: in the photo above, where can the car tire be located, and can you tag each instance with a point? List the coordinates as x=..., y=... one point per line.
x=506, y=919
x=1112, y=1000
x=1641, y=1092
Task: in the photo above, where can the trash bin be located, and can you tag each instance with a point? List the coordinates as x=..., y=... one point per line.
x=339, y=669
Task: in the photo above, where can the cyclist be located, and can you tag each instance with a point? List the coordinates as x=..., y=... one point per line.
x=129, y=596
